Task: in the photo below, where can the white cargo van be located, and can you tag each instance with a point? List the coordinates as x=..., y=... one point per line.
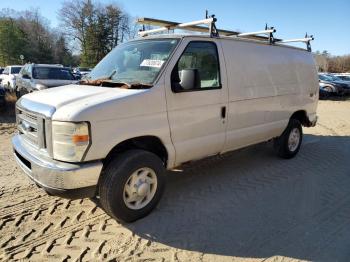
x=157, y=102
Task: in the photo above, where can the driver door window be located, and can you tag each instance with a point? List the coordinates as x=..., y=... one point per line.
x=201, y=57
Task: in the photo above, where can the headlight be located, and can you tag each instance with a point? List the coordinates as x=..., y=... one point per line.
x=70, y=141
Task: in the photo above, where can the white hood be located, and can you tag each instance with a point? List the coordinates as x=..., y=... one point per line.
x=71, y=99
x=64, y=95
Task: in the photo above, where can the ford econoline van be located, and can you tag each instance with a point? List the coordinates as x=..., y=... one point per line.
x=157, y=102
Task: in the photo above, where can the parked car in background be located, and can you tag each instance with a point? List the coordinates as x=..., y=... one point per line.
x=35, y=77
x=338, y=86
x=326, y=90
x=344, y=77
x=8, y=77
x=82, y=71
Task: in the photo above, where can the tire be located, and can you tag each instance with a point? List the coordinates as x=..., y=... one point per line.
x=288, y=144
x=123, y=169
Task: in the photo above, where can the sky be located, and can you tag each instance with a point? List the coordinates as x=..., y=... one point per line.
x=328, y=21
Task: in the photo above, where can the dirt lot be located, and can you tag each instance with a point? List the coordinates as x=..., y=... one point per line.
x=247, y=205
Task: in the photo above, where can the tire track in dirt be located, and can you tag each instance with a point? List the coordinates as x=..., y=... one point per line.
x=205, y=198
x=48, y=225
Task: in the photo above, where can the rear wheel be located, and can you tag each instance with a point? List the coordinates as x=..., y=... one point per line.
x=131, y=185
x=288, y=144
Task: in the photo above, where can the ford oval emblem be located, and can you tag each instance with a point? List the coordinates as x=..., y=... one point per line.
x=25, y=126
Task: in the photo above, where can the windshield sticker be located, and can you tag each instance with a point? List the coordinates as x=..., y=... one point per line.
x=152, y=63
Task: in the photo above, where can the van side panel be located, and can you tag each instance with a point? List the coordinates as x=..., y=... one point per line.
x=267, y=84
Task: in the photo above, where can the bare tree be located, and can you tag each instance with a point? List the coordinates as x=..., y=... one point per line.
x=98, y=28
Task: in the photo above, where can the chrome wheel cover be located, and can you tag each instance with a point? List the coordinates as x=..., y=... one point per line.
x=140, y=188
x=294, y=139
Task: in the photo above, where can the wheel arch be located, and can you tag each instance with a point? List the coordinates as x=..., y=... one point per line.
x=302, y=116
x=149, y=143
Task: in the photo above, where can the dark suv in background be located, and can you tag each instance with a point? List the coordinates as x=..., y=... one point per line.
x=35, y=77
x=334, y=84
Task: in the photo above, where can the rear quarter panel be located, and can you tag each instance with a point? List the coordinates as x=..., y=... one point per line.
x=267, y=84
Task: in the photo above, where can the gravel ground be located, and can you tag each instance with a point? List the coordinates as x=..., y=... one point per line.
x=246, y=205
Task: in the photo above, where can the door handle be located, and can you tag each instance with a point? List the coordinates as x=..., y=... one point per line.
x=223, y=112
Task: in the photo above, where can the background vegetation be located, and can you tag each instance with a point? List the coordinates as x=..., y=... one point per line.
x=333, y=64
x=88, y=31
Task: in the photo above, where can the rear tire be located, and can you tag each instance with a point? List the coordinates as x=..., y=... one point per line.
x=131, y=185
x=288, y=144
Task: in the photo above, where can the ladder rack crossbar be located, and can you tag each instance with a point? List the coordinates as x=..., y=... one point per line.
x=199, y=22
x=257, y=33
x=156, y=30
x=171, y=26
x=304, y=40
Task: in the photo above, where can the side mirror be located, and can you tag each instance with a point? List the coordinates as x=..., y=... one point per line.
x=26, y=76
x=189, y=80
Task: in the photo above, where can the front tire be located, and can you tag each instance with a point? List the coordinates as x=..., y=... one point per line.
x=288, y=144
x=131, y=185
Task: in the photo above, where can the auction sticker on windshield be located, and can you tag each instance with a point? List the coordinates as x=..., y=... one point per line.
x=152, y=63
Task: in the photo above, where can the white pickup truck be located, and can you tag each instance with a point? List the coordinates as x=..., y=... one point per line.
x=8, y=77
x=157, y=102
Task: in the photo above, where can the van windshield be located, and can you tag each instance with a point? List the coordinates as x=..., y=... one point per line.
x=137, y=62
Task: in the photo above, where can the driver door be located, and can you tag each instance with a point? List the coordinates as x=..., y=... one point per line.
x=197, y=116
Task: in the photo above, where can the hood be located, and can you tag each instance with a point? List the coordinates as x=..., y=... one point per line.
x=83, y=96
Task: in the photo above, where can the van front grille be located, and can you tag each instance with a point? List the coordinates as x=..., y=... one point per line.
x=32, y=127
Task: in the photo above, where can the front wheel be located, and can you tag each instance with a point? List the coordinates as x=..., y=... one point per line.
x=131, y=185
x=288, y=144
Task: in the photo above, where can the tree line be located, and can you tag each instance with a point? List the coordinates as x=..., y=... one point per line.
x=27, y=34
x=332, y=64
x=88, y=31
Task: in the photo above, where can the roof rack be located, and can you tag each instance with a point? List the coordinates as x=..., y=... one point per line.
x=196, y=26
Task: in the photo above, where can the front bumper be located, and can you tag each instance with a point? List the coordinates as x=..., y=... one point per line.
x=59, y=178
